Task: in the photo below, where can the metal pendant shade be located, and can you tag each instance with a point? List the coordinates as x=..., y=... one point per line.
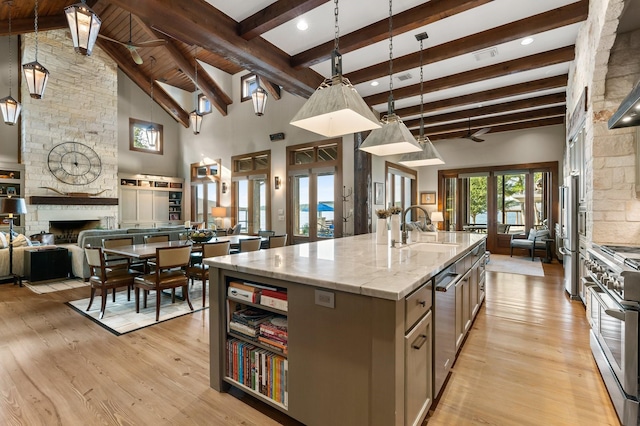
x=196, y=121
x=335, y=108
x=34, y=73
x=84, y=25
x=428, y=156
x=259, y=99
x=10, y=107
x=153, y=135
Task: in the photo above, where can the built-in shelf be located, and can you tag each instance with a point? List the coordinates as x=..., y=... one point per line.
x=69, y=201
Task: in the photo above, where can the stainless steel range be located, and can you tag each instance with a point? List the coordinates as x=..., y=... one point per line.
x=612, y=299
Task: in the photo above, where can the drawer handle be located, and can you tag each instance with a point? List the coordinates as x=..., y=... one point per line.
x=422, y=303
x=422, y=337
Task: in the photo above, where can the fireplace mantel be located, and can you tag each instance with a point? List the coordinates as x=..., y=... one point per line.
x=77, y=201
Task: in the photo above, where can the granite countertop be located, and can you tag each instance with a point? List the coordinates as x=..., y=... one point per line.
x=356, y=264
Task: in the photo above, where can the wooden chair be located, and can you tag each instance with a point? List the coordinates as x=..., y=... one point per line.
x=148, y=239
x=250, y=244
x=277, y=241
x=200, y=270
x=170, y=273
x=105, y=278
x=115, y=261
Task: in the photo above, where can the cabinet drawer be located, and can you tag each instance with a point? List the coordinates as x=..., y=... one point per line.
x=417, y=347
x=417, y=304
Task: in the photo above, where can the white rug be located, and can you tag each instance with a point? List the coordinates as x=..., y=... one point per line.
x=50, y=287
x=121, y=317
x=515, y=265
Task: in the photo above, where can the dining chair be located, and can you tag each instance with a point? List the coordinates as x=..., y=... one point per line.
x=105, y=278
x=221, y=232
x=250, y=244
x=148, y=239
x=277, y=241
x=199, y=270
x=117, y=261
x=236, y=229
x=170, y=273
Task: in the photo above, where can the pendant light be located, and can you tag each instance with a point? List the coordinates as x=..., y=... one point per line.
x=153, y=133
x=35, y=74
x=429, y=156
x=259, y=99
x=84, y=25
x=393, y=137
x=9, y=106
x=335, y=108
x=195, y=117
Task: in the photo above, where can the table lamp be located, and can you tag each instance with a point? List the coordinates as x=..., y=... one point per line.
x=12, y=206
x=218, y=213
x=435, y=218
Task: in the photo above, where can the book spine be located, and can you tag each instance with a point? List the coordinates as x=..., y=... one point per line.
x=243, y=295
x=274, y=303
x=275, y=294
x=286, y=382
x=244, y=287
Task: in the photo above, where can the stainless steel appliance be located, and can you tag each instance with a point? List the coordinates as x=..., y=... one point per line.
x=613, y=304
x=444, y=320
x=570, y=236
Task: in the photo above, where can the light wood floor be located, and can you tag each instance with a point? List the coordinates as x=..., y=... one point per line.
x=526, y=362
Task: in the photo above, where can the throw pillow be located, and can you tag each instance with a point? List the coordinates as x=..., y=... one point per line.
x=3, y=241
x=20, y=241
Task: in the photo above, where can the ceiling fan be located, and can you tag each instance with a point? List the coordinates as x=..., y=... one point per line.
x=474, y=136
x=132, y=47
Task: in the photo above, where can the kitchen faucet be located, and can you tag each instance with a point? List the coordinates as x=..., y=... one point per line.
x=404, y=221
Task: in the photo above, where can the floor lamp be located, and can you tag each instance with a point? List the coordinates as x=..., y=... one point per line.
x=12, y=206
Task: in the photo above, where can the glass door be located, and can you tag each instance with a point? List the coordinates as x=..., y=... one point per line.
x=301, y=208
x=475, y=203
x=325, y=196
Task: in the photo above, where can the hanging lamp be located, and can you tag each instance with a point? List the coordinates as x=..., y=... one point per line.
x=195, y=117
x=335, y=108
x=9, y=106
x=429, y=156
x=393, y=137
x=153, y=133
x=35, y=74
x=84, y=25
x=259, y=99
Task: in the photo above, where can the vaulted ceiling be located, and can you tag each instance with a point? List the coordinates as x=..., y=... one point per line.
x=477, y=74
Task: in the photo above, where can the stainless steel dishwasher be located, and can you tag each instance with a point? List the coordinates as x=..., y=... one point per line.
x=444, y=319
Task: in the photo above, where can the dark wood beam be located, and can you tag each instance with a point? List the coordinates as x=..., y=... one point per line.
x=501, y=108
x=556, y=18
x=475, y=125
x=408, y=20
x=273, y=15
x=26, y=25
x=272, y=89
x=199, y=23
x=488, y=95
x=505, y=128
x=544, y=59
x=132, y=71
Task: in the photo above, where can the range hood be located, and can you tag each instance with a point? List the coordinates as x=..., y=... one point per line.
x=628, y=113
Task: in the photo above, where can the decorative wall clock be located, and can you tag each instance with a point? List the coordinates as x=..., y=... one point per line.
x=74, y=163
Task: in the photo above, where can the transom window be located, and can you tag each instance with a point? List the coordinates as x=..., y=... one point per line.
x=138, y=136
x=248, y=83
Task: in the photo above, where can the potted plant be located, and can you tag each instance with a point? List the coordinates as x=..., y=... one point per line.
x=381, y=226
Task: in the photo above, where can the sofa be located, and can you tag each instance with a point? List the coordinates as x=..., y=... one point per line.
x=94, y=237
x=20, y=244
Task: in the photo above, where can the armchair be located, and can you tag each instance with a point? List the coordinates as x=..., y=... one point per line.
x=536, y=240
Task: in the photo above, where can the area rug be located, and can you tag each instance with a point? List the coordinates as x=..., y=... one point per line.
x=515, y=265
x=50, y=287
x=121, y=317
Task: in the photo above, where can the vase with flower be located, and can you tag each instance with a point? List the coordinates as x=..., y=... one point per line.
x=381, y=226
x=394, y=224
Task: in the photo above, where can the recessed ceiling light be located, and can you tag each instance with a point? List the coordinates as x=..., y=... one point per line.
x=302, y=25
x=374, y=83
x=527, y=40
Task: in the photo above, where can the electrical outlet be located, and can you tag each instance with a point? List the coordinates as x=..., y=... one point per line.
x=325, y=298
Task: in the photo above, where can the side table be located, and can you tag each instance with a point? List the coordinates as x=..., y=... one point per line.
x=46, y=264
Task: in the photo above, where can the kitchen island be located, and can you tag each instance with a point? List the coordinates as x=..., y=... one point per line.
x=357, y=345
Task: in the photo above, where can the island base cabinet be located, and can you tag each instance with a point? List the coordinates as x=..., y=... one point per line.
x=417, y=349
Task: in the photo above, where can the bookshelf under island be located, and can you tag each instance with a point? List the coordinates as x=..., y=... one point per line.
x=354, y=344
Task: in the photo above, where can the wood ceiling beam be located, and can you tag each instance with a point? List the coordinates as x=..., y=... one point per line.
x=504, y=128
x=274, y=15
x=408, y=20
x=475, y=125
x=132, y=71
x=27, y=25
x=199, y=23
x=556, y=18
x=272, y=89
x=548, y=83
x=544, y=59
x=501, y=108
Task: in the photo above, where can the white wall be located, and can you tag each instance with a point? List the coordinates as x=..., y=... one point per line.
x=9, y=134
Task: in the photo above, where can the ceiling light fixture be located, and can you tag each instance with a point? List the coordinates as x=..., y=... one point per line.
x=9, y=106
x=374, y=83
x=259, y=99
x=35, y=74
x=335, y=108
x=84, y=25
x=526, y=41
x=393, y=137
x=195, y=116
x=429, y=156
x=153, y=133
x=302, y=25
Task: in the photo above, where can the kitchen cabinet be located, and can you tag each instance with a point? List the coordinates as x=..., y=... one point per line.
x=469, y=292
x=417, y=371
x=152, y=201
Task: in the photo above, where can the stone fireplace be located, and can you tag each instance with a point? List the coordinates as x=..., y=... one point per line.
x=79, y=105
x=66, y=231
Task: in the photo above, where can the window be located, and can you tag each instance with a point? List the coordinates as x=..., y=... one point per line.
x=251, y=194
x=205, y=193
x=315, y=177
x=138, y=140
x=248, y=84
x=402, y=187
x=204, y=105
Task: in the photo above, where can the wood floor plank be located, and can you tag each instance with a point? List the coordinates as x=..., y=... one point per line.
x=526, y=361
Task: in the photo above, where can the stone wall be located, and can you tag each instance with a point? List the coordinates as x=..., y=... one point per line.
x=80, y=105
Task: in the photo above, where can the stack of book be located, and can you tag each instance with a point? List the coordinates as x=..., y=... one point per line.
x=247, y=321
x=273, y=333
x=242, y=291
x=274, y=298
